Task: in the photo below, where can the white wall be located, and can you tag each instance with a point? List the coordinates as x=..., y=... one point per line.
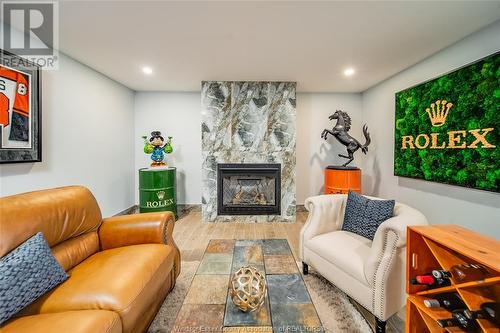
x=86, y=138
x=177, y=115
x=442, y=204
x=314, y=153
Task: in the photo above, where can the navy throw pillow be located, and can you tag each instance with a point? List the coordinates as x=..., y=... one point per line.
x=363, y=216
x=26, y=273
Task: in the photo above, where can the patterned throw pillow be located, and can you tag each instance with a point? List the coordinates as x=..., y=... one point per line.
x=363, y=216
x=26, y=273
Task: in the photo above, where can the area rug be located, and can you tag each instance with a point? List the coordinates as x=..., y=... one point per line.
x=335, y=311
x=165, y=318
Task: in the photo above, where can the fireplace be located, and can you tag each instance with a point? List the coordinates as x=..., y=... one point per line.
x=249, y=189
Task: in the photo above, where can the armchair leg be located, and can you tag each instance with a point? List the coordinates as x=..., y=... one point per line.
x=305, y=268
x=379, y=325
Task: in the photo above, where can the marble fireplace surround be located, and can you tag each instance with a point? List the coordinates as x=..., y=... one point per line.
x=248, y=122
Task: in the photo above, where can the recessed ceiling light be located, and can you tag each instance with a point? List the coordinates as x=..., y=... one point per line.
x=349, y=71
x=147, y=70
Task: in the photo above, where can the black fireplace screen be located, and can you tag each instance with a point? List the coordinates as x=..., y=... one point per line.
x=249, y=189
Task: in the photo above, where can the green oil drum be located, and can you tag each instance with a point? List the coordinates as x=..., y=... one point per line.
x=157, y=190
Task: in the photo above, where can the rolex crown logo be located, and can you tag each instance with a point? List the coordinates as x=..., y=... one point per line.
x=438, y=112
x=160, y=195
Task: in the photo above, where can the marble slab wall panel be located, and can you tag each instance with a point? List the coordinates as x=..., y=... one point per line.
x=248, y=122
x=249, y=114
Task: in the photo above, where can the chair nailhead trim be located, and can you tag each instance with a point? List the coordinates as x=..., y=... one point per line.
x=386, y=269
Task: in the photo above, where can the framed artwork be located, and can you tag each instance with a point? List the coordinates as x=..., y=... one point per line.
x=20, y=110
x=447, y=129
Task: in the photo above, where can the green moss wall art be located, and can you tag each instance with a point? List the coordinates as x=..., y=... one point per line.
x=447, y=129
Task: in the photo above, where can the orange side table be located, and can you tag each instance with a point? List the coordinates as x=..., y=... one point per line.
x=342, y=179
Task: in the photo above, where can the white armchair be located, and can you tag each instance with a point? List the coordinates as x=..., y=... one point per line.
x=370, y=272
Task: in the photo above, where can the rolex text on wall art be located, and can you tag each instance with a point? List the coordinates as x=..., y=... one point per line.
x=457, y=139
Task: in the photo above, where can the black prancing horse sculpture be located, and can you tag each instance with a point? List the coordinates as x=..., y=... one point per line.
x=340, y=133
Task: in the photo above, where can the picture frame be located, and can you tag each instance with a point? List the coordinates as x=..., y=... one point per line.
x=437, y=132
x=20, y=110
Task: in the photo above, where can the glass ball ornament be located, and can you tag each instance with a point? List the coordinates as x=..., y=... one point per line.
x=248, y=289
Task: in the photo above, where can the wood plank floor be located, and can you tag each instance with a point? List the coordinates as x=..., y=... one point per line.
x=192, y=236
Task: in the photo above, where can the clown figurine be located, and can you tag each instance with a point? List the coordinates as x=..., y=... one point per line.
x=156, y=148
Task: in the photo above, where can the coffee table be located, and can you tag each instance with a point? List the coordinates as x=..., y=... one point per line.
x=208, y=307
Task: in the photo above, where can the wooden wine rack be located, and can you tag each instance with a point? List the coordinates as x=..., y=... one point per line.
x=441, y=247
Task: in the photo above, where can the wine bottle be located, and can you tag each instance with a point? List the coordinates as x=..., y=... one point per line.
x=448, y=301
x=488, y=311
x=460, y=320
x=430, y=280
x=463, y=272
x=441, y=274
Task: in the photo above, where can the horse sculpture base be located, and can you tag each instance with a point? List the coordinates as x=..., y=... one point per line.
x=341, y=167
x=341, y=180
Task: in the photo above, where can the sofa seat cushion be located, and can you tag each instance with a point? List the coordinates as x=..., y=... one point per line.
x=125, y=280
x=87, y=321
x=346, y=250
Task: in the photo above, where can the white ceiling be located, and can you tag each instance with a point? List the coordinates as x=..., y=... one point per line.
x=308, y=42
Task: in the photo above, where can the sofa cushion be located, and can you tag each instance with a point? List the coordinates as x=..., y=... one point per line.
x=75, y=250
x=59, y=213
x=343, y=249
x=124, y=280
x=87, y=321
x=26, y=273
x=363, y=215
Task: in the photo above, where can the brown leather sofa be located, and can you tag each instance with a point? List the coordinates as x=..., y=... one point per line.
x=121, y=268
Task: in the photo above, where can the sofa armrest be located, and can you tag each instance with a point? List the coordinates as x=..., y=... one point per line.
x=147, y=228
x=135, y=229
x=326, y=214
x=404, y=216
x=385, y=265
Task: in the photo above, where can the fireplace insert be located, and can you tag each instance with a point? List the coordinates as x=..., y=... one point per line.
x=249, y=189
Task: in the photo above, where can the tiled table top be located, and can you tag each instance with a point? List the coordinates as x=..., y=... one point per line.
x=208, y=307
